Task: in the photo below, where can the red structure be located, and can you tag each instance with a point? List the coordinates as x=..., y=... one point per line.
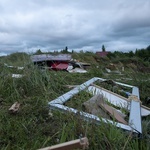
x=60, y=66
x=102, y=54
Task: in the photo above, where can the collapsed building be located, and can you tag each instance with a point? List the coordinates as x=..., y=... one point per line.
x=62, y=62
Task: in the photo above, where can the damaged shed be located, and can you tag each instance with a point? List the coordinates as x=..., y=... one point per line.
x=59, y=62
x=55, y=62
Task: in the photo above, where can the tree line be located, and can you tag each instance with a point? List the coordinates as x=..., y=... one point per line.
x=143, y=53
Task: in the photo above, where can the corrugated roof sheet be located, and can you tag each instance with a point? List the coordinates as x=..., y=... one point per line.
x=60, y=66
x=48, y=57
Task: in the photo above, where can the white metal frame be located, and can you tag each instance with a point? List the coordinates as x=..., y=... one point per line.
x=58, y=104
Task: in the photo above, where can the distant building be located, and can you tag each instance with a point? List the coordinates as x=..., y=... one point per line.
x=102, y=54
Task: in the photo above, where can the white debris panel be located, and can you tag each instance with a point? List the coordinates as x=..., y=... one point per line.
x=135, y=111
x=17, y=75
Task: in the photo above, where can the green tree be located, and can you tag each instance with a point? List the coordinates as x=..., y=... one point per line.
x=103, y=48
x=148, y=48
x=38, y=52
x=65, y=50
x=131, y=54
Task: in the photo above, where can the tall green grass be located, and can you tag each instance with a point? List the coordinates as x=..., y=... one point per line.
x=33, y=127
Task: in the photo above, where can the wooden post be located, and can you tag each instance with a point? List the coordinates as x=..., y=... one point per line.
x=79, y=143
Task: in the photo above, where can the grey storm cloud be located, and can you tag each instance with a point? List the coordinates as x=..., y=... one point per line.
x=28, y=25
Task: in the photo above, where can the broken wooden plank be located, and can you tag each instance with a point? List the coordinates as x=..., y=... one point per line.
x=97, y=106
x=91, y=106
x=79, y=143
x=113, y=113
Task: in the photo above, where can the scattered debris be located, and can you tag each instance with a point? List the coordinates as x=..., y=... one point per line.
x=82, y=65
x=77, y=70
x=79, y=143
x=108, y=70
x=127, y=93
x=50, y=114
x=19, y=68
x=115, y=71
x=15, y=107
x=8, y=65
x=113, y=98
x=71, y=86
x=17, y=75
x=112, y=67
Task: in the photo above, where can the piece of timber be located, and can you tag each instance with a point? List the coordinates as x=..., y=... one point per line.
x=112, y=112
x=135, y=111
x=91, y=106
x=70, y=86
x=79, y=143
x=97, y=106
x=116, y=99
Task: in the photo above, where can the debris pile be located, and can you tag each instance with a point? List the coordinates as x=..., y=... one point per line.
x=61, y=62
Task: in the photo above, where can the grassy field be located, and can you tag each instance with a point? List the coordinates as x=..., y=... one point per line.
x=36, y=126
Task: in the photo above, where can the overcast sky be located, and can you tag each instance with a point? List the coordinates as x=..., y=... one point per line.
x=28, y=25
